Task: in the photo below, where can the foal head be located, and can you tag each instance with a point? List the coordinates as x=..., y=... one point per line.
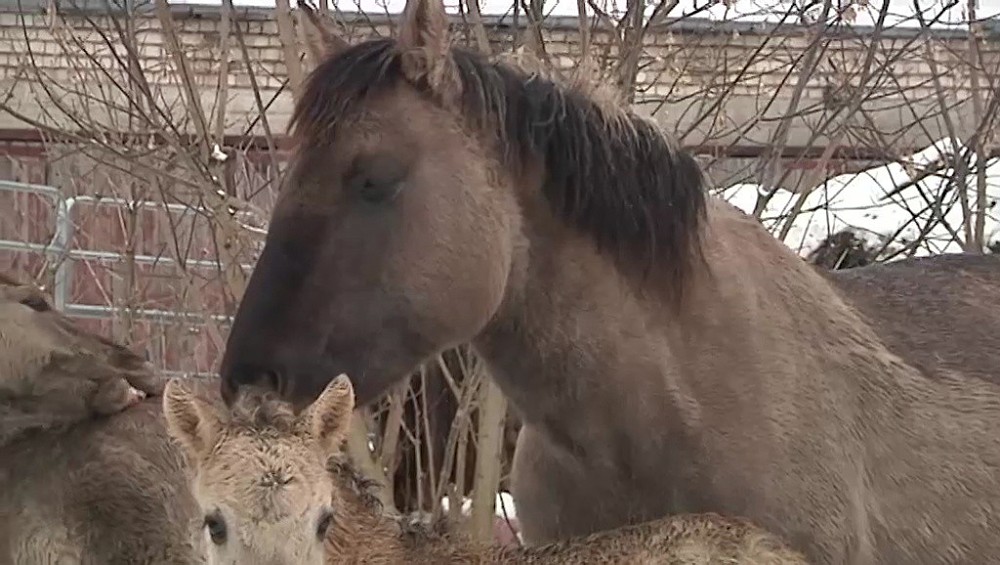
x=423, y=176
x=260, y=471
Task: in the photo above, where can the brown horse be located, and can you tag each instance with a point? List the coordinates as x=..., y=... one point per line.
x=294, y=503
x=84, y=480
x=666, y=353
x=52, y=374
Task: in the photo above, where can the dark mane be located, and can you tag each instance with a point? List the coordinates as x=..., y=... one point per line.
x=365, y=493
x=363, y=488
x=259, y=410
x=611, y=175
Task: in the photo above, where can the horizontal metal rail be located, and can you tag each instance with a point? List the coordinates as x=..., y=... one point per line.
x=61, y=246
x=104, y=256
x=65, y=230
x=11, y=186
x=91, y=311
x=189, y=374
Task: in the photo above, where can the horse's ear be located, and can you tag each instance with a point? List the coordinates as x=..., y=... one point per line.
x=426, y=47
x=321, y=41
x=191, y=421
x=329, y=417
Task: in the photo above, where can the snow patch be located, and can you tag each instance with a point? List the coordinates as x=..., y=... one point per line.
x=885, y=206
x=503, y=502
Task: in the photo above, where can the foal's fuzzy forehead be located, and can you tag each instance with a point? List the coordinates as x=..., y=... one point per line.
x=267, y=481
x=275, y=459
x=264, y=453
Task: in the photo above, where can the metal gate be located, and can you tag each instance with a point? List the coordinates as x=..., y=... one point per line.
x=60, y=249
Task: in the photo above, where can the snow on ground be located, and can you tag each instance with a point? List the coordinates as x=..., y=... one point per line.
x=504, y=505
x=881, y=205
x=506, y=529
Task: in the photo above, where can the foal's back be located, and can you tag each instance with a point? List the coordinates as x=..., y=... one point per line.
x=108, y=491
x=694, y=539
x=689, y=539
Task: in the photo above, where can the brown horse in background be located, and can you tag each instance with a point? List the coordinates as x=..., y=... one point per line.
x=665, y=352
x=84, y=480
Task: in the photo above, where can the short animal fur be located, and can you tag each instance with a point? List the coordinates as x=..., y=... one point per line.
x=52, y=374
x=665, y=353
x=274, y=493
x=88, y=473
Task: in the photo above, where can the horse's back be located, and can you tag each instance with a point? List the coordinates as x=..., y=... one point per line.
x=108, y=491
x=940, y=314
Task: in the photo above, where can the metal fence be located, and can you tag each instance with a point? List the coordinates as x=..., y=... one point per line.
x=60, y=248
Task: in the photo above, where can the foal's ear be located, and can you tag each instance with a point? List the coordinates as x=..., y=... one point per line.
x=329, y=418
x=426, y=47
x=321, y=41
x=190, y=420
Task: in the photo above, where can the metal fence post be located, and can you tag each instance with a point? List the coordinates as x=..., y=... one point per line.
x=61, y=240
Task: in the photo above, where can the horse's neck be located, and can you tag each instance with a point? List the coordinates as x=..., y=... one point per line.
x=579, y=343
x=766, y=385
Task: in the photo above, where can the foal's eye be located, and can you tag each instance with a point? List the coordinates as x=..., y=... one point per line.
x=377, y=178
x=325, y=521
x=216, y=527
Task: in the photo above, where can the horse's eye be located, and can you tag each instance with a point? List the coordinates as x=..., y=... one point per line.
x=377, y=178
x=36, y=303
x=325, y=521
x=216, y=527
x=373, y=192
